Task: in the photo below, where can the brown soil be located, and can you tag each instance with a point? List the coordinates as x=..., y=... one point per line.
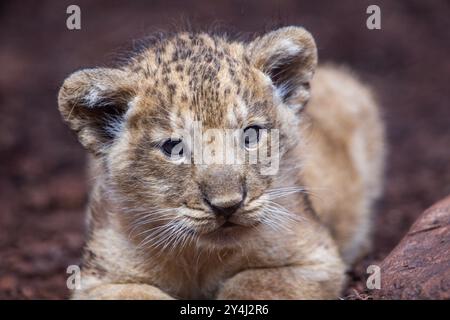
x=43, y=187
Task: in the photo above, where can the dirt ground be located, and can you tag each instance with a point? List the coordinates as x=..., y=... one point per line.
x=42, y=184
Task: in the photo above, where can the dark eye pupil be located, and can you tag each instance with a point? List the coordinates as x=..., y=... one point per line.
x=173, y=148
x=251, y=136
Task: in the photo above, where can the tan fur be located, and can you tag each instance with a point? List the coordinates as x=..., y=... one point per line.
x=283, y=245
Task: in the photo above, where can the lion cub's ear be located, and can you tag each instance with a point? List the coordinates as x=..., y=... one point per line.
x=289, y=57
x=93, y=103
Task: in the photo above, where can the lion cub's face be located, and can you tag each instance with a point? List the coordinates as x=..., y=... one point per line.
x=192, y=130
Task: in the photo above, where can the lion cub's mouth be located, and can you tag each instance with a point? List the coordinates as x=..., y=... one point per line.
x=229, y=224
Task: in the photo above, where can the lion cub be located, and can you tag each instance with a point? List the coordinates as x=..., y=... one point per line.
x=167, y=220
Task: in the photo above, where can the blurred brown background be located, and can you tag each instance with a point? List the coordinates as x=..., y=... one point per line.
x=43, y=187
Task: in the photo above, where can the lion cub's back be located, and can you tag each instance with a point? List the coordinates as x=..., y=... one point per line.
x=345, y=154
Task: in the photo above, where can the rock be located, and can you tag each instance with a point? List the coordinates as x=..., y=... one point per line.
x=419, y=267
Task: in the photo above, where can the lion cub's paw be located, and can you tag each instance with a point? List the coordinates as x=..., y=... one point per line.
x=123, y=292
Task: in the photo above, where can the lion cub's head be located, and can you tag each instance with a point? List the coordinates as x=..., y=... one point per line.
x=192, y=130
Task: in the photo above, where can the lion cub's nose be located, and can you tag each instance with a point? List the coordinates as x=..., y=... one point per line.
x=225, y=207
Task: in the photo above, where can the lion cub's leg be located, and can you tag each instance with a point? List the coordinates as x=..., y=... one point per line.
x=122, y=292
x=294, y=282
x=311, y=280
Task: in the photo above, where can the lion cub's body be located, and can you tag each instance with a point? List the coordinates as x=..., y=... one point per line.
x=340, y=157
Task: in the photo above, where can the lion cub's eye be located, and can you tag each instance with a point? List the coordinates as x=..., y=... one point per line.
x=251, y=136
x=173, y=148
